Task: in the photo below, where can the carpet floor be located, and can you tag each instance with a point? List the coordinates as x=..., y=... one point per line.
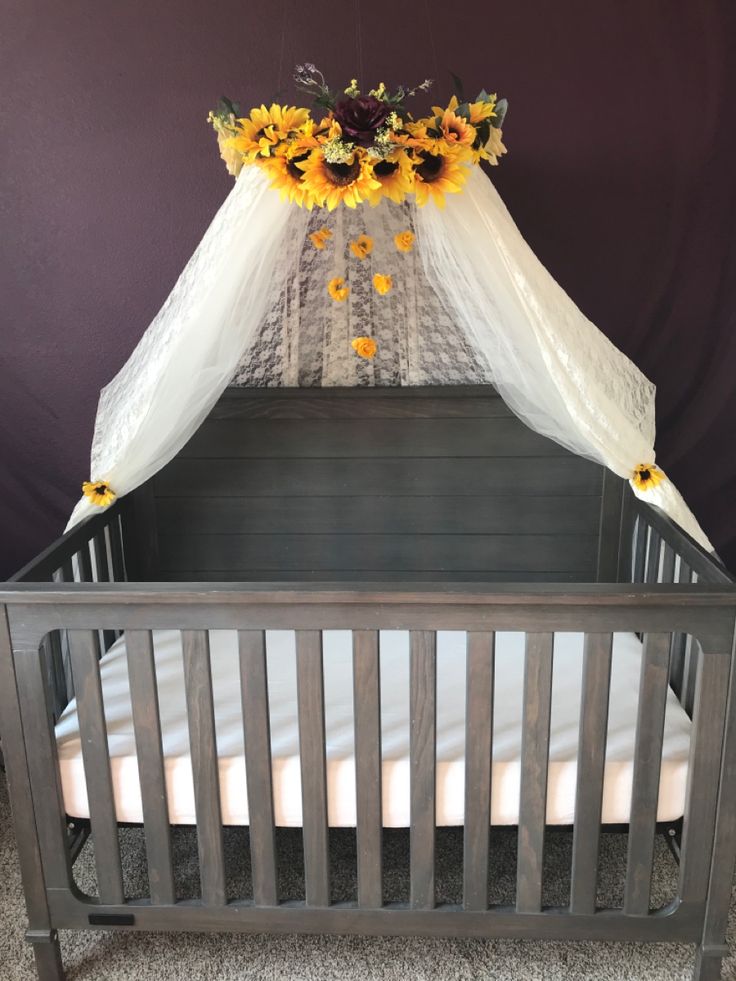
x=106, y=956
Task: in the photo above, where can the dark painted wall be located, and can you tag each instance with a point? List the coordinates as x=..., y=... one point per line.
x=621, y=174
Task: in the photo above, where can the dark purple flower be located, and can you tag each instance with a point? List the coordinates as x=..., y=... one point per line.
x=361, y=117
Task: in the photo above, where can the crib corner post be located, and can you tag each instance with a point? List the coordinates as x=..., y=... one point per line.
x=708, y=961
x=47, y=953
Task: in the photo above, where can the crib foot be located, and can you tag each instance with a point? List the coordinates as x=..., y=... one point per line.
x=708, y=962
x=47, y=953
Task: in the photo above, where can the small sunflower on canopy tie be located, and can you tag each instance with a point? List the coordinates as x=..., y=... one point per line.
x=646, y=476
x=99, y=492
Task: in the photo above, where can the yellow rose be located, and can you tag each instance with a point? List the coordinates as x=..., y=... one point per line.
x=337, y=289
x=382, y=284
x=362, y=246
x=404, y=241
x=319, y=238
x=366, y=347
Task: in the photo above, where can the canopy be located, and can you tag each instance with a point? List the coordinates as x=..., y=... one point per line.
x=276, y=294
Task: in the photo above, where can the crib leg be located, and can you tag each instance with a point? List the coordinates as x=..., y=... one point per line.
x=47, y=953
x=708, y=963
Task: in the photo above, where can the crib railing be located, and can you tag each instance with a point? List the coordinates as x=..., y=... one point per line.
x=703, y=612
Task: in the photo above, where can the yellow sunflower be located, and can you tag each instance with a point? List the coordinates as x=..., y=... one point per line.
x=366, y=347
x=362, y=246
x=265, y=129
x=99, y=492
x=404, y=241
x=320, y=238
x=288, y=179
x=337, y=289
x=382, y=284
x=438, y=174
x=456, y=129
x=395, y=177
x=646, y=476
x=478, y=110
x=333, y=183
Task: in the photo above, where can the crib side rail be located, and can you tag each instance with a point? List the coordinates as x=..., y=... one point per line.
x=703, y=611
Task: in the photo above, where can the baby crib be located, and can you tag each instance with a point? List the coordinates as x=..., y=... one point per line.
x=319, y=571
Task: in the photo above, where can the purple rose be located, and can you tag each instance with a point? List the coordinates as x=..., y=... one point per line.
x=361, y=117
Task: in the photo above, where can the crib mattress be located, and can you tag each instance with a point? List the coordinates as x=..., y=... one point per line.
x=394, y=654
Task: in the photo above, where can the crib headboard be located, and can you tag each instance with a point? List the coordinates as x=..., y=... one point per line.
x=377, y=484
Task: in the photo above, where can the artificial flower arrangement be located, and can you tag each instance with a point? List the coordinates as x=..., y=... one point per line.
x=365, y=147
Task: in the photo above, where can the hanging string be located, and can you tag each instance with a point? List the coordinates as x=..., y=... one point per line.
x=359, y=42
x=282, y=52
x=432, y=43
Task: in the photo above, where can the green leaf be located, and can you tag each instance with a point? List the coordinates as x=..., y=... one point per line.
x=502, y=107
x=459, y=88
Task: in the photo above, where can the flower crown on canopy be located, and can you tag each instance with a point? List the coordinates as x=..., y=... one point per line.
x=365, y=148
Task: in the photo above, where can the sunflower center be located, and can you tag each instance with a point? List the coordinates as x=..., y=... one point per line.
x=342, y=174
x=430, y=168
x=385, y=168
x=644, y=474
x=101, y=490
x=293, y=170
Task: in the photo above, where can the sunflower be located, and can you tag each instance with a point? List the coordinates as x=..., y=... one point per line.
x=265, y=129
x=333, y=183
x=404, y=241
x=287, y=178
x=477, y=111
x=365, y=347
x=395, y=176
x=99, y=492
x=320, y=238
x=382, y=284
x=438, y=174
x=456, y=129
x=337, y=289
x=647, y=476
x=362, y=246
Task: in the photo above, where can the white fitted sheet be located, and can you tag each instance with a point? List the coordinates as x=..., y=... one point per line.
x=394, y=646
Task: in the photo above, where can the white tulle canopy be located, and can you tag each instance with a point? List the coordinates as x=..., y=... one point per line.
x=470, y=303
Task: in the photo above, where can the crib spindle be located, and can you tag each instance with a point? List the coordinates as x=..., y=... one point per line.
x=102, y=574
x=478, y=754
x=591, y=764
x=85, y=563
x=257, y=733
x=203, y=747
x=653, y=689
x=367, y=710
x=117, y=558
x=151, y=771
x=534, y=766
x=311, y=708
x=85, y=654
x=653, y=557
x=422, y=767
x=641, y=530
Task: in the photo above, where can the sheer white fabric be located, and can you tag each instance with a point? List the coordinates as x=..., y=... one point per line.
x=470, y=304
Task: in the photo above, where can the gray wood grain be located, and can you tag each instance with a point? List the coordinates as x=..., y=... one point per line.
x=151, y=770
x=534, y=767
x=590, y=772
x=311, y=707
x=478, y=752
x=422, y=767
x=203, y=746
x=257, y=733
x=367, y=713
x=85, y=655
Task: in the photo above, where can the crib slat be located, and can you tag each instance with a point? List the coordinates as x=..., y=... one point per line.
x=591, y=764
x=422, y=766
x=653, y=689
x=679, y=641
x=85, y=563
x=117, y=560
x=311, y=702
x=640, y=549
x=367, y=711
x=85, y=655
x=102, y=569
x=668, y=563
x=203, y=747
x=151, y=771
x=257, y=732
x=534, y=766
x=478, y=750
x=653, y=556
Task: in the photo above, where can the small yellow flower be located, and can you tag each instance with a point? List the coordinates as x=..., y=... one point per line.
x=382, y=284
x=98, y=492
x=337, y=289
x=362, y=246
x=366, y=347
x=646, y=476
x=404, y=241
x=320, y=238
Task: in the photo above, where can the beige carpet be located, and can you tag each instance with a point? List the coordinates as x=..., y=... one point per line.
x=99, y=956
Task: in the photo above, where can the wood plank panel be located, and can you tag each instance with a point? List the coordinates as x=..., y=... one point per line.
x=85, y=654
x=653, y=689
x=372, y=551
x=477, y=477
x=591, y=766
x=257, y=733
x=381, y=514
x=311, y=708
x=367, y=714
x=422, y=767
x=370, y=575
x=534, y=767
x=203, y=745
x=151, y=771
x=478, y=750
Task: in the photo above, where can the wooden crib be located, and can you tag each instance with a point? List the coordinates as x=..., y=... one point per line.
x=366, y=511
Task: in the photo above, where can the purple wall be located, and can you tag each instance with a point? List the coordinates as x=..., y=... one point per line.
x=620, y=174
